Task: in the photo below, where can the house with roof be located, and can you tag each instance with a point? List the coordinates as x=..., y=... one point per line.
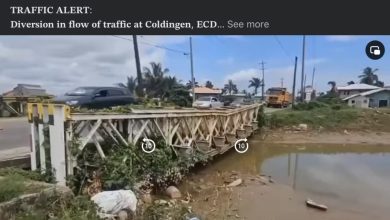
x=14, y=102
x=353, y=89
x=26, y=90
x=203, y=91
x=377, y=98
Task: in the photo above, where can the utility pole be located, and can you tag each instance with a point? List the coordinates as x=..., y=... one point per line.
x=303, y=67
x=263, y=82
x=295, y=76
x=281, y=80
x=312, y=78
x=192, y=72
x=137, y=64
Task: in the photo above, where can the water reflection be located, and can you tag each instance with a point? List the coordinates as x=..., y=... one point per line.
x=357, y=175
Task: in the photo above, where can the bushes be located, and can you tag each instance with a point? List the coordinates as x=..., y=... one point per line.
x=331, y=118
x=77, y=208
x=261, y=117
x=124, y=166
x=28, y=174
x=11, y=187
x=310, y=105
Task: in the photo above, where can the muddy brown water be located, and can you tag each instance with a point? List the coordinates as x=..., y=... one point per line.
x=355, y=178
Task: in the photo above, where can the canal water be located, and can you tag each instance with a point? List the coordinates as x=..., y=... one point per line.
x=352, y=177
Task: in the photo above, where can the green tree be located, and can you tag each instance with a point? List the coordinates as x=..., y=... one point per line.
x=131, y=84
x=230, y=87
x=256, y=83
x=189, y=84
x=154, y=79
x=209, y=84
x=333, y=88
x=369, y=77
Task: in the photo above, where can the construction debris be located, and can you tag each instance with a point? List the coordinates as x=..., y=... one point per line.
x=312, y=204
x=112, y=202
x=236, y=182
x=173, y=192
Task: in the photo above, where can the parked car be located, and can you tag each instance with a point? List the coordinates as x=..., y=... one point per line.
x=207, y=102
x=236, y=103
x=96, y=97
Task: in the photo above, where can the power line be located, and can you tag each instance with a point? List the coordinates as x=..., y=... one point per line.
x=153, y=45
x=282, y=47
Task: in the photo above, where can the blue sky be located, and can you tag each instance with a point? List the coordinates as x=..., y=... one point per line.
x=338, y=58
x=61, y=63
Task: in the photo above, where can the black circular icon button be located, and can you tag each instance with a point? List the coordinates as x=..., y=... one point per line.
x=375, y=50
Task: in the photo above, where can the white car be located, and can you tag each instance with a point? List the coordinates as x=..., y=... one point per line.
x=207, y=102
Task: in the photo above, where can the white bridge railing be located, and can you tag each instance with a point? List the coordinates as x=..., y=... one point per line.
x=212, y=132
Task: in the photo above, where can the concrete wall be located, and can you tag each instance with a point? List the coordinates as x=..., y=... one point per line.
x=359, y=102
x=371, y=101
x=375, y=98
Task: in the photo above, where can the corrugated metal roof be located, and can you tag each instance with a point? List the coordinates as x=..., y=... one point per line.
x=367, y=93
x=205, y=90
x=358, y=86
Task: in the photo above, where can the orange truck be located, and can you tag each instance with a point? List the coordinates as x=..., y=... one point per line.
x=278, y=97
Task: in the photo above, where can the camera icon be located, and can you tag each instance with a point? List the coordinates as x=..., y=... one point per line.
x=375, y=50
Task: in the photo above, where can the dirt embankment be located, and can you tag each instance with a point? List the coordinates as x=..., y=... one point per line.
x=257, y=198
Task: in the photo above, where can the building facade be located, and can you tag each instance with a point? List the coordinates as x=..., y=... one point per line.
x=354, y=89
x=378, y=98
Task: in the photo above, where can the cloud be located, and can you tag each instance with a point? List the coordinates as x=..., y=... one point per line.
x=60, y=63
x=341, y=38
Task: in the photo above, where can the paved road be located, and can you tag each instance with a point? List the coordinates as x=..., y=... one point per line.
x=14, y=136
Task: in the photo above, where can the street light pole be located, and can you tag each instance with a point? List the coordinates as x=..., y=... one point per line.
x=138, y=65
x=263, y=82
x=303, y=68
x=192, y=72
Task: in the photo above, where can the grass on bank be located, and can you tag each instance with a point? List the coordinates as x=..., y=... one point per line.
x=331, y=117
x=14, y=182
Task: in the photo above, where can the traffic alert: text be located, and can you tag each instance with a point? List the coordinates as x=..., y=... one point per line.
x=50, y=10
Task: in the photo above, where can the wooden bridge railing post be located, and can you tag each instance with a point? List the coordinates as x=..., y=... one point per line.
x=57, y=143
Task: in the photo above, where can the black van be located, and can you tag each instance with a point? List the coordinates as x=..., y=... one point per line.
x=97, y=97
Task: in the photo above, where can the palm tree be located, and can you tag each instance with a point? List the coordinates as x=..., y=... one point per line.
x=169, y=84
x=256, y=83
x=131, y=84
x=369, y=77
x=333, y=89
x=230, y=87
x=154, y=79
x=350, y=82
x=209, y=84
x=189, y=84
